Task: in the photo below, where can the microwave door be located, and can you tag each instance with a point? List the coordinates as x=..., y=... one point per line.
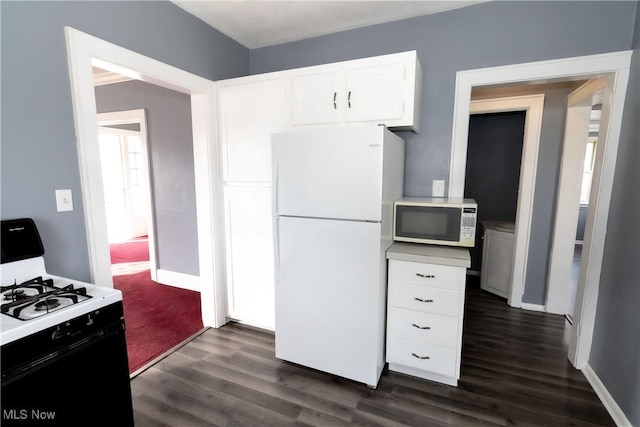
x=428, y=224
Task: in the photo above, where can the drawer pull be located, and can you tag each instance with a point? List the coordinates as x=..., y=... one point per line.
x=423, y=300
x=420, y=327
x=426, y=276
x=420, y=357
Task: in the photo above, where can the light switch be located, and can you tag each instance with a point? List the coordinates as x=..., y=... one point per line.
x=438, y=188
x=64, y=202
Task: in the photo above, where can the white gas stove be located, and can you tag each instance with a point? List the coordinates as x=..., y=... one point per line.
x=32, y=300
x=51, y=326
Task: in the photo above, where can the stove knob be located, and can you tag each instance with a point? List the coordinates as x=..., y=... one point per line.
x=59, y=333
x=89, y=320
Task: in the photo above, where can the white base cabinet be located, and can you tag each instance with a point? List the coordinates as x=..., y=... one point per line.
x=425, y=309
x=497, y=259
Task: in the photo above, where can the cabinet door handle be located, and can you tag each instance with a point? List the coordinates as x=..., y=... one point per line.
x=420, y=327
x=423, y=300
x=349, y=99
x=335, y=106
x=426, y=276
x=420, y=357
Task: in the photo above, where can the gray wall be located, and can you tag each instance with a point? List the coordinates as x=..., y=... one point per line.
x=170, y=139
x=544, y=199
x=38, y=133
x=484, y=35
x=615, y=351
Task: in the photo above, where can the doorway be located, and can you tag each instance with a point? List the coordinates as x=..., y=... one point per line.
x=158, y=317
x=85, y=52
x=493, y=170
x=123, y=144
x=614, y=67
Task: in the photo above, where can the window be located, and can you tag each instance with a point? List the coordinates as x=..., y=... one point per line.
x=587, y=171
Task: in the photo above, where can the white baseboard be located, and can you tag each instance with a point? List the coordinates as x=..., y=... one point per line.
x=178, y=280
x=607, y=400
x=532, y=307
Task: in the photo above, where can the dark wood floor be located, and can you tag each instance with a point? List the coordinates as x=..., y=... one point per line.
x=514, y=372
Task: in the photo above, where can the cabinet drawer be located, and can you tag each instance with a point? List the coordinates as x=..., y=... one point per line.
x=422, y=326
x=424, y=299
x=421, y=355
x=431, y=275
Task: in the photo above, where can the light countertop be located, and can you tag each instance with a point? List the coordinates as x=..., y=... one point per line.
x=502, y=226
x=432, y=254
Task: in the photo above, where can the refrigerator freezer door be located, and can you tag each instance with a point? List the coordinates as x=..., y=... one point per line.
x=330, y=296
x=329, y=173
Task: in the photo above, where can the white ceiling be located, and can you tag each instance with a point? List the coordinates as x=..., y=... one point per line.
x=260, y=23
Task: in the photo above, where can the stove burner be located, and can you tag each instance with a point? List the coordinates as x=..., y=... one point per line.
x=47, y=304
x=37, y=297
x=15, y=294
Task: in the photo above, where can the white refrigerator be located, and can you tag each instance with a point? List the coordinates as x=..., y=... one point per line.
x=333, y=191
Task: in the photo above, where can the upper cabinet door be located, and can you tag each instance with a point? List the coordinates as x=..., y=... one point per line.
x=376, y=93
x=316, y=98
x=249, y=114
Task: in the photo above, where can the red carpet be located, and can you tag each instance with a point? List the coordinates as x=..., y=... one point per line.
x=157, y=317
x=132, y=251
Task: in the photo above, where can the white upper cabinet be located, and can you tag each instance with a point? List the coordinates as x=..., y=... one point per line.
x=249, y=112
x=376, y=93
x=316, y=98
x=379, y=90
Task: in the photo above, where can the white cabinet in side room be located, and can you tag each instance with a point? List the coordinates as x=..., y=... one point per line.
x=249, y=250
x=316, y=98
x=497, y=258
x=249, y=111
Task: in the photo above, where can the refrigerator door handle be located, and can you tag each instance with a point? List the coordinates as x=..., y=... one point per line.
x=274, y=186
x=276, y=252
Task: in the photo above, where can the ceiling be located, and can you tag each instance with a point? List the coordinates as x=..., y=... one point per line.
x=260, y=23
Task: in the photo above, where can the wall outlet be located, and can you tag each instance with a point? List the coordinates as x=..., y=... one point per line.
x=437, y=189
x=64, y=202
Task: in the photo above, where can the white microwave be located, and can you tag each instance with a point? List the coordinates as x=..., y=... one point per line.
x=435, y=221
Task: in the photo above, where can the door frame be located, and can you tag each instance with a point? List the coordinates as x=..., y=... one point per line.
x=533, y=105
x=138, y=116
x=85, y=51
x=615, y=67
x=579, y=105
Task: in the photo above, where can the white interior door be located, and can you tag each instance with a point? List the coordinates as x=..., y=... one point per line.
x=579, y=106
x=115, y=191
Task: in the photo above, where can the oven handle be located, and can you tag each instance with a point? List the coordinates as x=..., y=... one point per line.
x=12, y=374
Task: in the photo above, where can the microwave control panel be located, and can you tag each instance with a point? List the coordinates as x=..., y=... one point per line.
x=468, y=231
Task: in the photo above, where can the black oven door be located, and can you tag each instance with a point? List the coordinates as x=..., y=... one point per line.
x=86, y=383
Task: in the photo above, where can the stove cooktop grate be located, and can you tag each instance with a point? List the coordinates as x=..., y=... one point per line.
x=37, y=297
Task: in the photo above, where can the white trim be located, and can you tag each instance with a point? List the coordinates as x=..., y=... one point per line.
x=606, y=398
x=533, y=105
x=615, y=65
x=597, y=216
x=532, y=307
x=178, y=280
x=138, y=116
x=85, y=51
x=567, y=208
x=107, y=78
